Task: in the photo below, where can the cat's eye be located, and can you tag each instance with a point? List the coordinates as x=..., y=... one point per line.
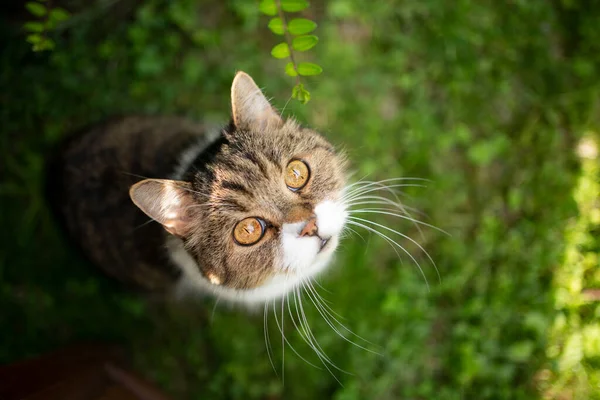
x=296, y=174
x=249, y=231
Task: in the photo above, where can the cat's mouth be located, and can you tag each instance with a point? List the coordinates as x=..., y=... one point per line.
x=323, y=244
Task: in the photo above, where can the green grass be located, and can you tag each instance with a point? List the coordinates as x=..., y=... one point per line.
x=487, y=100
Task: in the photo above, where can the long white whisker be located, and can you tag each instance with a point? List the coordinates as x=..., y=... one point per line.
x=304, y=330
x=299, y=331
x=315, y=344
x=312, y=341
x=212, y=314
x=284, y=338
x=381, y=182
x=388, y=188
x=394, y=245
x=385, y=211
x=398, y=204
x=374, y=199
x=408, y=238
x=324, y=313
x=267, y=338
x=376, y=186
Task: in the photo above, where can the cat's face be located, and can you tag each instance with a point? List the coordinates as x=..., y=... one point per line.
x=260, y=214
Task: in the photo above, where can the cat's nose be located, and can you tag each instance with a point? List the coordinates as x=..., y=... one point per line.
x=310, y=229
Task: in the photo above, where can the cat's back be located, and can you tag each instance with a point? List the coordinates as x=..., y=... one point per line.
x=88, y=181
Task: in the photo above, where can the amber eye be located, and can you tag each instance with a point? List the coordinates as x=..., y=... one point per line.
x=296, y=174
x=249, y=231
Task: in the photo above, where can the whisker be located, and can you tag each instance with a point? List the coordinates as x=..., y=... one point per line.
x=326, y=315
x=280, y=327
x=406, y=237
x=381, y=182
x=212, y=314
x=283, y=335
x=356, y=233
x=284, y=106
x=287, y=342
x=380, y=200
x=399, y=204
x=387, y=188
x=134, y=175
x=314, y=344
x=267, y=338
x=385, y=211
x=394, y=245
x=307, y=331
x=143, y=224
x=299, y=331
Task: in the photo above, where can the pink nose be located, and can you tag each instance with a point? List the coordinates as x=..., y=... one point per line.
x=310, y=229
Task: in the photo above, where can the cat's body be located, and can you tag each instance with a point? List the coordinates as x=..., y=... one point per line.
x=247, y=214
x=89, y=184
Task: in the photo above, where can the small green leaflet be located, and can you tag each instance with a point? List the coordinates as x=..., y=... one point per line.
x=36, y=9
x=276, y=26
x=34, y=38
x=304, y=43
x=309, y=69
x=268, y=7
x=58, y=15
x=281, y=50
x=294, y=5
x=34, y=26
x=301, y=26
x=298, y=92
x=290, y=70
x=39, y=42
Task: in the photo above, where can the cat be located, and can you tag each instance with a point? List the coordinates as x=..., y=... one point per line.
x=161, y=204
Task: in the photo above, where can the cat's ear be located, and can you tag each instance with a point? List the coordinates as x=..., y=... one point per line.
x=250, y=108
x=165, y=201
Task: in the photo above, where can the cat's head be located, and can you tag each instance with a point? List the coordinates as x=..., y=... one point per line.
x=258, y=212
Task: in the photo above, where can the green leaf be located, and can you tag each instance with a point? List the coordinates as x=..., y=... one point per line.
x=44, y=44
x=301, y=26
x=301, y=94
x=34, y=38
x=304, y=43
x=290, y=70
x=58, y=15
x=36, y=9
x=294, y=5
x=276, y=26
x=309, y=69
x=281, y=50
x=34, y=27
x=268, y=7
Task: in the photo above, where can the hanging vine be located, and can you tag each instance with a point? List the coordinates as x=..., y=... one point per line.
x=297, y=39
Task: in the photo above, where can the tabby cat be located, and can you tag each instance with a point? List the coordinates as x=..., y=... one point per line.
x=246, y=215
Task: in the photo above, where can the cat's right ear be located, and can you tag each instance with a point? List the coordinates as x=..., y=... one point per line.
x=250, y=108
x=165, y=201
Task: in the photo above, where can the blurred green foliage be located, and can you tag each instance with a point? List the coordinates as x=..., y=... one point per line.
x=488, y=100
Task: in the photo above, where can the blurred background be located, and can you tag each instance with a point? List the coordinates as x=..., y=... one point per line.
x=495, y=103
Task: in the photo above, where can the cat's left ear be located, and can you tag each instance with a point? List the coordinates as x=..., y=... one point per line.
x=250, y=108
x=165, y=201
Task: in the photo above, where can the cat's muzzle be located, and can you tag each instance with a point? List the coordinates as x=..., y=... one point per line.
x=311, y=229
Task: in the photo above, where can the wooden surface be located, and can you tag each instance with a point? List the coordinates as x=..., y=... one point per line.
x=89, y=372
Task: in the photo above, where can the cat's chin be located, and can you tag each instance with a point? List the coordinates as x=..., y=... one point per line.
x=193, y=283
